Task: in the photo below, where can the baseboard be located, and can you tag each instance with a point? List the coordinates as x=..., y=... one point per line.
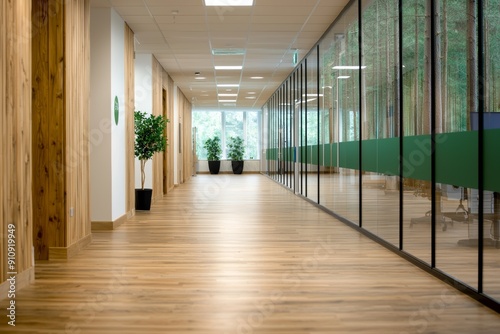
x=64, y=253
x=231, y=172
x=23, y=279
x=108, y=226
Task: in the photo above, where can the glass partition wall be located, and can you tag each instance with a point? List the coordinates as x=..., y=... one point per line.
x=392, y=123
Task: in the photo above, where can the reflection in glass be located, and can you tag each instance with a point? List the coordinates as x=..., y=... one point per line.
x=312, y=125
x=491, y=272
x=457, y=206
x=416, y=116
x=380, y=145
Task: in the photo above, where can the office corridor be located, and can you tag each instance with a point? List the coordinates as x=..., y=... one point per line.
x=240, y=254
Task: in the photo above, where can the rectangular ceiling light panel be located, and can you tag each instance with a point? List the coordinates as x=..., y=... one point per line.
x=228, y=85
x=228, y=52
x=228, y=67
x=228, y=3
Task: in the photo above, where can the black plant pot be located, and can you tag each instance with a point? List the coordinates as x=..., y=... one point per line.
x=143, y=199
x=237, y=167
x=214, y=166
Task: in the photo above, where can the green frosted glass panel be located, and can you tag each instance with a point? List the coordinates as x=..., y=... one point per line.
x=289, y=154
x=349, y=154
x=304, y=151
x=456, y=158
x=334, y=155
x=315, y=154
x=271, y=154
x=327, y=155
x=381, y=156
x=417, y=157
x=492, y=160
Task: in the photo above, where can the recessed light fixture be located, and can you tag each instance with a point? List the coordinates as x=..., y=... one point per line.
x=345, y=67
x=228, y=67
x=228, y=85
x=227, y=100
x=228, y=3
x=199, y=78
x=251, y=93
x=227, y=94
x=343, y=77
x=256, y=78
x=250, y=97
x=228, y=52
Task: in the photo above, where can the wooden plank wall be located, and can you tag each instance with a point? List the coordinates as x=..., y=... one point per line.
x=48, y=127
x=61, y=91
x=76, y=111
x=129, y=118
x=187, y=149
x=15, y=134
x=168, y=157
x=157, y=110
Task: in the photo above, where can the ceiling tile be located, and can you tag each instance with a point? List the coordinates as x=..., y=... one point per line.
x=181, y=34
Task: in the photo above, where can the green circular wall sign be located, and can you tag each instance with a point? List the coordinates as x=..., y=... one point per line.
x=117, y=110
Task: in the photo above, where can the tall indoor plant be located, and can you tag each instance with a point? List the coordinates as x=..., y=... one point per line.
x=150, y=138
x=235, y=152
x=214, y=153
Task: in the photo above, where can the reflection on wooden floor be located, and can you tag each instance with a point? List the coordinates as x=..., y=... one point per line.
x=241, y=254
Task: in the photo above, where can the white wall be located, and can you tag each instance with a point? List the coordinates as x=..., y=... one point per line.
x=175, y=142
x=144, y=103
x=119, y=139
x=107, y=140
x=99, y=121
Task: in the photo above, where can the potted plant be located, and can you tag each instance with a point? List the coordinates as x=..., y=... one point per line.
x=235, y=151
x=150, y=138
x=214, y=152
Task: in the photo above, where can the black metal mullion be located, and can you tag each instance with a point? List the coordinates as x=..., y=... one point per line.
x=481, y=83
x=281, y=133
x=301, y=81
x=318, y=117
x=400, y=82
x=360, y=82
x=433, y=136
x=292, y=129
x=305, y=121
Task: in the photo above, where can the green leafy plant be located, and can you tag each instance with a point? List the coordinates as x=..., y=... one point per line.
x=235, y=149
x=213, y=147
x=150, y=138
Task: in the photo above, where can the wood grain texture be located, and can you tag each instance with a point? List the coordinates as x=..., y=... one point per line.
x=240, y=254
x=157, y=110
x=187, y=124
x=48, y=127
x=61, y=93
x=77, y=109
x=168, y=157
x=129, y=118
x=15, y=142
x=3, y=138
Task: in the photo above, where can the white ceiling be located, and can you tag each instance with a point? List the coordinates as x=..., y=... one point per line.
x=182, y=33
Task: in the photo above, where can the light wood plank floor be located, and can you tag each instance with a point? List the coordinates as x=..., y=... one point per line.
x=232, y=254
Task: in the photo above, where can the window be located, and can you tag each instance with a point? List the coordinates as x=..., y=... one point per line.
x=226, y=124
